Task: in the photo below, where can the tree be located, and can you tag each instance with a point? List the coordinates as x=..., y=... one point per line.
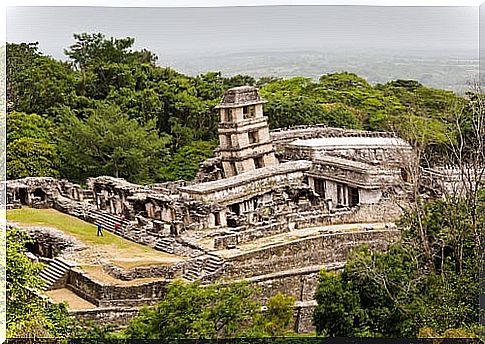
x=28, y=157
x=109, y=143
x=428, y=282
x=185, y=163
x=239, y=80
x=338, y=310
x=92, y=49
x=193, y=311
x=36, y=82
x=28, y=315
x=285, y=111
x=31, y=150
x=19, y=58
x=190, y=310
x=273, y=321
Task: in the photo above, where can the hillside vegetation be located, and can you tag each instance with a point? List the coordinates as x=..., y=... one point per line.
x=110, y=110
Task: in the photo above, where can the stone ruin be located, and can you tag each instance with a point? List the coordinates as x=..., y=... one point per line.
x=271, y=207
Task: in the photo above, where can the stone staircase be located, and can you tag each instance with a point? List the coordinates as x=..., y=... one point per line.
x=203, y=266
x=165, y=244
x=108, y=221
x=212, y=264
x=194, y=270
x=54, y=272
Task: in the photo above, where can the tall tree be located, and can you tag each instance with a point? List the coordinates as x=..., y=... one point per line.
x=109, y=143
x=31, y=148
x=192, y=311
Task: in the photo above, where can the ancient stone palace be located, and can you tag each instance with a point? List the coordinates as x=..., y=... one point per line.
x=272, y=207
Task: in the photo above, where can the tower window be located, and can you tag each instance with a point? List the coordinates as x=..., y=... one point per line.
x=228, y=140
x=228, y=115
x=217, y=219
x=253, y=137
x=233, y=168
x=248, y=111
x=258, y=162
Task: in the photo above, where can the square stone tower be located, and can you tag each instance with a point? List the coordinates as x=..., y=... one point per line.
x=245, y=144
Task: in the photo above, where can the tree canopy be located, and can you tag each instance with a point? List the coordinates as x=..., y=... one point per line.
x=106, y=79
x=213, y=311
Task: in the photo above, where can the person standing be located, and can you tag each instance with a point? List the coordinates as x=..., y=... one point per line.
x=100, y=229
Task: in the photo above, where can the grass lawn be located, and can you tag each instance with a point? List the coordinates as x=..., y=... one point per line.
x=122, y=252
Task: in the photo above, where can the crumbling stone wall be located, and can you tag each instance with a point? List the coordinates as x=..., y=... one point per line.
x=323, y=249
x=282, y=136
x=105, y=295
x=166, y=271
x=38, y=192
x=210, y=169
x=50, y=242
x=119, y=316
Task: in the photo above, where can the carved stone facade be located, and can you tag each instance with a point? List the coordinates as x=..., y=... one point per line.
x=245, y=143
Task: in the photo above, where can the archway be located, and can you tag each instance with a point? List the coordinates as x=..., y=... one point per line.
x=40, y=193
x=23, y=196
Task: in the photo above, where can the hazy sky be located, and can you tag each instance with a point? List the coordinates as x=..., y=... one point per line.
x=172, y=31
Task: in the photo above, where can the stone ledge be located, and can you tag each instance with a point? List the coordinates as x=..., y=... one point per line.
x=247, y=177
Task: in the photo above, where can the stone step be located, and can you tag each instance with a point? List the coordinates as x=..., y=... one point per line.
x=53, y=272
x=215, y=258
x=49, y=280
x=165, y=245
x=191, y=276
x=214, y=263
x=211, y=268
x=54, y=267
x=60, y=262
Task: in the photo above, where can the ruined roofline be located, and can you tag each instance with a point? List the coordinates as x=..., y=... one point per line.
x=350, y=142
x=352, y=182
x=118, y=182
x=30, y=182
x=240, y=96
x=352, y=165
x=323, y=130
x=248, y=177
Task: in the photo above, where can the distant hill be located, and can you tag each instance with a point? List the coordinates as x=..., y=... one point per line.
x=445, y=70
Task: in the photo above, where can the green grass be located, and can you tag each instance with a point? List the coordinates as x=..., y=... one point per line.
x=85, y=232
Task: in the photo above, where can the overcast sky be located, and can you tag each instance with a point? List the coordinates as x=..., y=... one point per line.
x=172, y=31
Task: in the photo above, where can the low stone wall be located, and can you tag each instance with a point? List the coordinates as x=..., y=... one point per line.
x=103, y=295
x=384, y=211
x=299, y=284
x=119, y=316
x=50, y=242
x=165, y=271
x=319, y=250
x=122, y=316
